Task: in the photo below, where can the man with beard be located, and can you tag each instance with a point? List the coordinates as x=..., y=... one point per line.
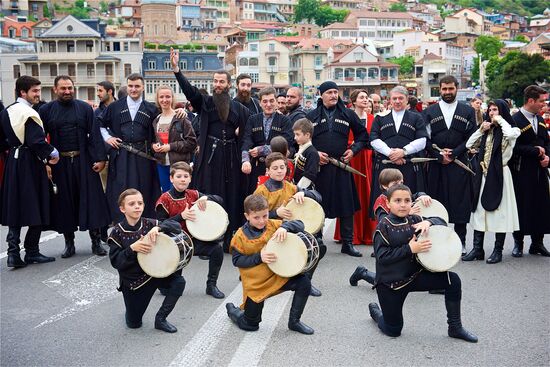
x=259, y=131
x=398, y=135
x=244, y=88
x=281, y=103
x=449, y=125
x=130, y=121
x=294, y=107
x=217, y=166
x=376, y=100
x=529, y=167
x=333, y=121
x=80, y=202
x=24, y=191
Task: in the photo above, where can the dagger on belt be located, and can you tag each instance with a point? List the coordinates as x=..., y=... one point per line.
x=129, y=148
x=412, y=160
x=344, y=166
x=456, y=161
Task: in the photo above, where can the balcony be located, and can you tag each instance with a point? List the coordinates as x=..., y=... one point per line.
x=68, y=56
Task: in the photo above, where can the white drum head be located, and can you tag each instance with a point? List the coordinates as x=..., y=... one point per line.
x=291, y=256
x=210, y=224
x=163, y=259
x=445, y=251
x=310, y=212
x=435, y=210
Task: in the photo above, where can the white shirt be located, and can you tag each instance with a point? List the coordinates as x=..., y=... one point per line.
x=397, y=118
x=133, y=106
x=414, y=146
x=531, y=117
x=448, y=110
x=24, y=101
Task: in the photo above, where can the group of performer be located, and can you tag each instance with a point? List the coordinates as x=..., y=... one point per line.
x=253, y=158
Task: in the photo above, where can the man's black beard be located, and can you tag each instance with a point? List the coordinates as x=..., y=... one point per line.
x=222, y=103
x=447, y=99
x=245, y=98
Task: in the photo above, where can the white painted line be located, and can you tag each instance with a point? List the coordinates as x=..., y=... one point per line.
x=198, y=350
x=51, y=236
x=253, y=345
x=85, y=285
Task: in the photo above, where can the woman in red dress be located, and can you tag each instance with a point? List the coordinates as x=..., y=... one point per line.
x=363, y=225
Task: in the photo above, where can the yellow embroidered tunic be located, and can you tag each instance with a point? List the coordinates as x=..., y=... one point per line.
x=277, y=198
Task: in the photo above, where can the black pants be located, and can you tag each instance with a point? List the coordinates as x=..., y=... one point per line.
x=535, y=238
x=95, y=234
x=32, y=238
x=301, y=284
x=137, y=301
x=391, y=301
x=460, y=229
x=346, y=229
x=211, y=249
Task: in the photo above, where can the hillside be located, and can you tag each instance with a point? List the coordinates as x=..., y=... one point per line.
x=522, y=7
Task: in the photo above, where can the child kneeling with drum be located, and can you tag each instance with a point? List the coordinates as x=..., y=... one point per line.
x=398, y=272
x=258, y=280
x=177, y=204
x=138, y=235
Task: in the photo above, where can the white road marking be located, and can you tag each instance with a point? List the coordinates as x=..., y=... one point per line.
x=198, y=350
x=85, y=285
x=46, y=238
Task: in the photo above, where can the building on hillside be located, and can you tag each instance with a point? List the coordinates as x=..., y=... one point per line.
x=344, y=4
x=15, y=8
x=159, y=21
x=130, y=11
x=306, y=29
x=285, y=8
x=411, y=38
x=188, y=16
x=463, y=40
x=358, y=68
x=41, y=26
x=467, y=20
x=198, y=67
x=428, y=71
x=539, y=45
x=539, y=26
x=248, y=61
x=10, y=69
x=379, y=26
x=17, y=27
x=273, y=64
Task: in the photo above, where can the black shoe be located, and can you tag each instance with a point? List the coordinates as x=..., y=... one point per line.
x=357, y=275
x=38, y=259
x=212, y=290
x=477, y=252
x=375, y=312
x=314, y=292
x=69, y=249
x=164, y=325
x=14, y=261
x=296, y=310
x=237, y=316
x=538, y=249
x=347, y=248
x=455, y=324
x=160, y=319
x=98, y=250
x=495, y=257
x=518, y=249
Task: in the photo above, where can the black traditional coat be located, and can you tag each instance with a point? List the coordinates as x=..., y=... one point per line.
x=412, y=127
x=530, y=178
x=217, y=169
x=128, y=170
x=80, y=201
x=254, y=136
x=24, y=193
x=336, y=186
x=450, y=184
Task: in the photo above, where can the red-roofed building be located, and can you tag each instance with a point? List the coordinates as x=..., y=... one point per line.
x=21, y=30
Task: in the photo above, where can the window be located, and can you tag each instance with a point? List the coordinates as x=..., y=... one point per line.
x=253, y=61
x=152, y=64
x=16, y=71
x=71, y=69
x=335, y=34
x=53, y=69
x=24, y=33
x=440, y=51
x=243, y=62
x=34, y=7
x=89, y=46
x=255, y=77
x=363, y=22
x=149, y=87
x=371, y=34
x=198, y=64
x=317, y=75
x=353, y=33
x=51, y=46
x=109, y=69
x=107, y=46
x=167, y=65
x=253, y=47
x=70, y=46
x=183, y=64
x=126, y=46
x=272, y=61
x=318, y=60
x=358, y=56
x=127, y=70
x=116, y=46
x=371, y=23
x=34, y=70
x=271, y=47
x=345, y=33
x=90, y=71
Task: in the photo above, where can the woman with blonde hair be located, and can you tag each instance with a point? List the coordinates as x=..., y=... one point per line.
x=175, y=138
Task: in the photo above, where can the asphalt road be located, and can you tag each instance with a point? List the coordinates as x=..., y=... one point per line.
x=68, y=313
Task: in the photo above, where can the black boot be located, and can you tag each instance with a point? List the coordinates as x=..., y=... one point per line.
x=160, y=319
x=375, y=312
x=14, y=261
x=518, y=248
x=496, y=256
x=455, y=324
x=361, y=273
x=347, y=248
x=211, y=287
x=97, y=249
x=477, y=252
x=69, y=247
x=237, y=316
x=346, y=232
x=38, y=258
x=537, y=247
x=14, y=257
x=294, y=323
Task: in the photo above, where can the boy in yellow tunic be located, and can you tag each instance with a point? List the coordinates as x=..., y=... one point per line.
x=259, y=282
x=278, y=192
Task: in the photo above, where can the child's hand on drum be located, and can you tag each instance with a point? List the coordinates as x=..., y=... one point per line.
x=268, y=257
x=201, y=203
x=426, y=200
x=151, y=236
x=415, y=210
x=141, y=246
x=188, y=214
x=299, y=197
x=419, y=246
x=284, y=213
x=280, y=234
x=423, y=227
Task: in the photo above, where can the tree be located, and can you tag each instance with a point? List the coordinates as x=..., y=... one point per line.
x=487, y=46
x=306, y=10
x=510, y=75
x=521, y=38
x=398, y=7
x=406, y=64
x=325, y=15
x=103, y=7
x=46, y=11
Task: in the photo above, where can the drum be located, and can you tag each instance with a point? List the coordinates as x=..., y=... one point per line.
x=209, y=224
x=435, y=210
x=170, y=253
x=297, y=254
x=445, y=251
x=310, y=212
